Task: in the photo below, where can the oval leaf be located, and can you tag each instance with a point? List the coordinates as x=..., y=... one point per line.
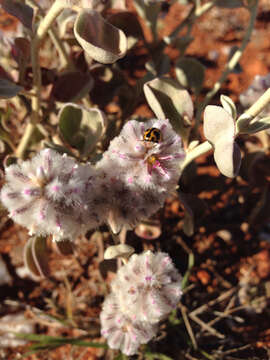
x=8, y=89
x=82, y=128
x=228, y=105
x=168, y=100
x=127, y=22
x=40, y=255
x=190, y=74
x=29, y=260
x=218, y=124
x=227, y=156
x=102, y=41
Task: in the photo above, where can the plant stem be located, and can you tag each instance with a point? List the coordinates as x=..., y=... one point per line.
x=230, y=65
x=64, y=58
x=259, y=105
x=57, y=7
x=196, y=152
x=43, y=28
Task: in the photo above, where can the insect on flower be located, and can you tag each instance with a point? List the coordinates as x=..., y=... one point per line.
x=152, y=135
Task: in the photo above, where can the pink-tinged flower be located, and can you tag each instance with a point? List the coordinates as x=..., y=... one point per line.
x=121, y=331
x=148, y=287
x=50, y=194
x=148, y=162
x=120, y=204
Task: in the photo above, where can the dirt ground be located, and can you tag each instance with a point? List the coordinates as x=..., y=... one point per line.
x=227, y=300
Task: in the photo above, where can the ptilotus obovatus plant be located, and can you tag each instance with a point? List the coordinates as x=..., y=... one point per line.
x=144, y=292
x=54, y=194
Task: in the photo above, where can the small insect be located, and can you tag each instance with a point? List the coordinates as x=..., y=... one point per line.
x=152, y=135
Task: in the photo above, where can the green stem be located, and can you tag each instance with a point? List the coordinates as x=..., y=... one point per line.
x=259, y=105
x=196, y=152
x=45, y=24
x=64, y=58
x=230, y=65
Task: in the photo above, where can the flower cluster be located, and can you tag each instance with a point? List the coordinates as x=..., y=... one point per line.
x=140, y=168
x=144, y=292
x=53, y=194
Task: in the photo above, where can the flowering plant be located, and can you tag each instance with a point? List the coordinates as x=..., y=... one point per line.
x=112, y=122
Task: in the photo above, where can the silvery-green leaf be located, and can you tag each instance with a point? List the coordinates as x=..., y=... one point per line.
x=102, y=41
x=227, y=156
x=218, y=124
x=148, y=12
x=257, y=125
x=81, y=127
x=21, y=11
x=159, y=66
x=190, y=73
x=41, y=255
x=168, y=100
x=243, y=122
x=8, y=89
x=219, y=130
x=129, y=24
x=228, y=105
x=29, y=260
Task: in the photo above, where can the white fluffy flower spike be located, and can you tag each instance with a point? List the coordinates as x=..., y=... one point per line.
x=122, y=332
x=148, y=287
x=144, y=292
x=151, y=161
x=49, y=194
x=139, y=170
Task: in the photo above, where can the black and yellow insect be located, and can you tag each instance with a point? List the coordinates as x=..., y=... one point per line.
x=152, y=135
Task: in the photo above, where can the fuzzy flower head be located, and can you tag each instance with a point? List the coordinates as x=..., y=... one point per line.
x=147, y=154
x=122, y=332
x=120, y=205
x=148, y=287
x=49, y=195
